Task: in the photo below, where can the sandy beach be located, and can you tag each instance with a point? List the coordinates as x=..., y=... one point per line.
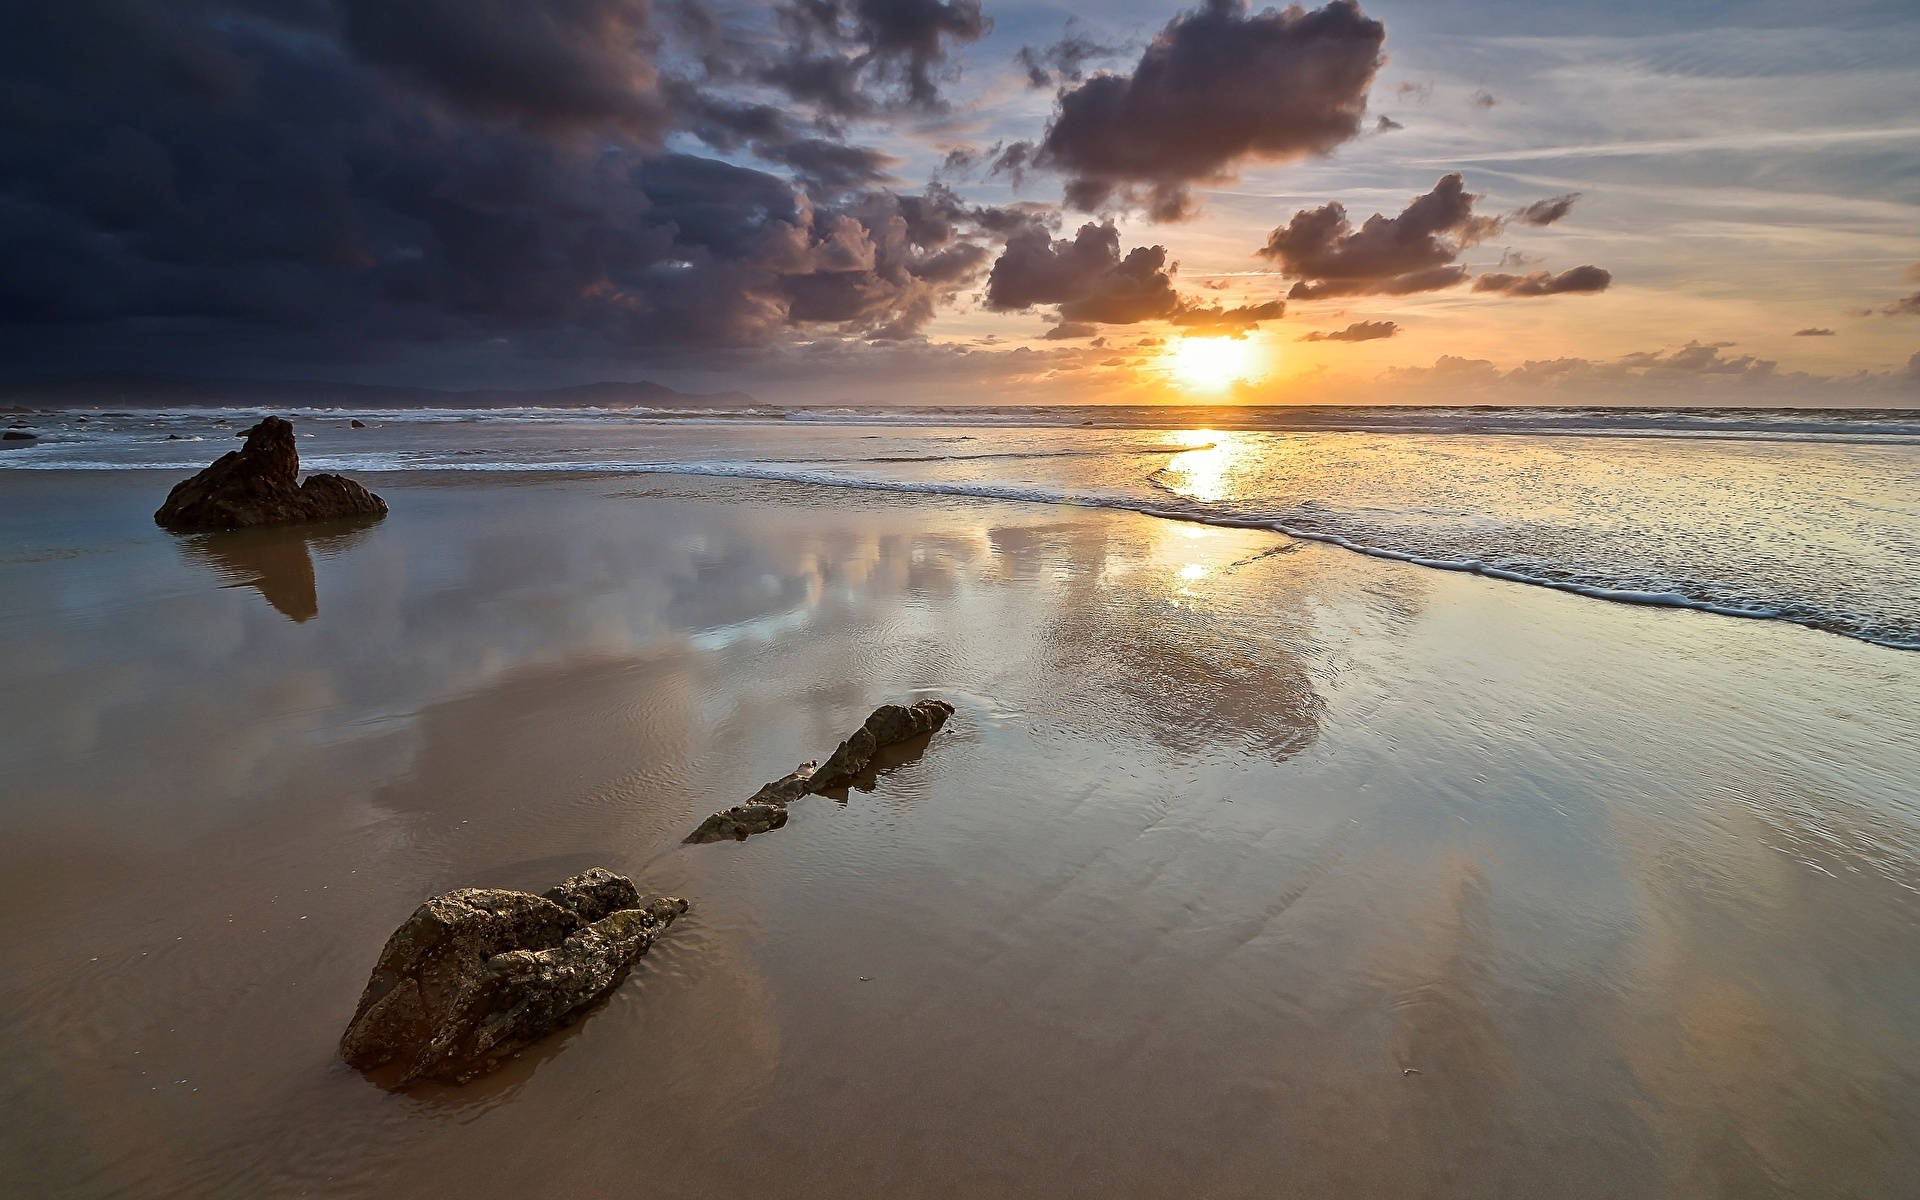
x=959, y=600
x=1246, y=866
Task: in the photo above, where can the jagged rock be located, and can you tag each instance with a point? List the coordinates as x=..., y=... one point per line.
x=476, y=975
x=739, y=823
x=767, y=808
x=16, y=435
x=259, y=484
x=594, y=893
x=890, y=723
x=356, y=424
x=787, y=788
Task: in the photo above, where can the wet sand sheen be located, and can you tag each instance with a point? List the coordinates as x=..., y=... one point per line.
x=1219, y=845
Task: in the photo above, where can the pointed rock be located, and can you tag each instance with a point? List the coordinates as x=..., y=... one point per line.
x=259, y=484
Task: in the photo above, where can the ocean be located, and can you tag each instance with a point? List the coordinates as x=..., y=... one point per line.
x=1811, y=517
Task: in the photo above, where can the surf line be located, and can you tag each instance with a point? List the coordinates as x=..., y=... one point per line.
x=1202, y=516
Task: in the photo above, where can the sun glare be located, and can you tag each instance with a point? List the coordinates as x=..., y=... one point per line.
x=1212, y=363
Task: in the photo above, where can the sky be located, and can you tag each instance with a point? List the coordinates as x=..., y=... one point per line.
x=969, y=201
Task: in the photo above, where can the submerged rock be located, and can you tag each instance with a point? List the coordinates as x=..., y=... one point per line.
x=19, y=435
x=259, y=484
x=766, y=809
x=477, y=975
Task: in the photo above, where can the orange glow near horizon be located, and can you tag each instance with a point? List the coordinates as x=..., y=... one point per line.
x=1213, y=364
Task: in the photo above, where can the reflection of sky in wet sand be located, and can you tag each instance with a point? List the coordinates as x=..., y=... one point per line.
x=1221, y=842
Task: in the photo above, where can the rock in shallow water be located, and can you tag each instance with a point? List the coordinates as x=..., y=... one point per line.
x=767, y=808
x=477, y=975
x=259, y=484
x=889, y=724
x=739, y=823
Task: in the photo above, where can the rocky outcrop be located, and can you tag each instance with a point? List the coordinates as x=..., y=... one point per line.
x=889, y=724
x=259, y=484
x=766, y=809
x=477, y=975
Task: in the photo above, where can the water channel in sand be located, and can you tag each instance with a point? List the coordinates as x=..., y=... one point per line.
x=1242, y=869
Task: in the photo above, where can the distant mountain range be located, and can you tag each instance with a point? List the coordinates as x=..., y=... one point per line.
x=162, y=391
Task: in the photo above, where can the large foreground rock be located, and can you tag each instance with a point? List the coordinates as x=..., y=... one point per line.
x=259, y=484
x=766, y=809
x=477, y=975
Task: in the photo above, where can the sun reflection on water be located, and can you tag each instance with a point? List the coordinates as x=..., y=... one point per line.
x=1202, y=473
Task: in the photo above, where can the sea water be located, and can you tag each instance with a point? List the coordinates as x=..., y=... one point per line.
x=1809, y=517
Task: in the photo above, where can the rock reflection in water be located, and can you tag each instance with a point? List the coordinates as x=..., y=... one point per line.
x=277, y=561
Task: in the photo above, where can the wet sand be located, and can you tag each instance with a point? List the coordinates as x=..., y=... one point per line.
x=1244, y=868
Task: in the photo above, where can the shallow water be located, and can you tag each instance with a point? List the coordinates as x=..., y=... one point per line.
x=1230, y=833
x=1809, y=518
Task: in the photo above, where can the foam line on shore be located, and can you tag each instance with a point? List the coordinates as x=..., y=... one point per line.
x=1039, y=495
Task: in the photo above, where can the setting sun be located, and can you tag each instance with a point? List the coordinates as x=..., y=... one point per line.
x=1212, y=363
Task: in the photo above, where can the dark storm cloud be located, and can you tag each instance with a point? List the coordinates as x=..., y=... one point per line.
x=1413, y=252
x=1813, y=333
x=829, y=166
x=1093, y=282
x=853, y=57
x=1386, y=124
x=1546, y=212
x=256, y=181
x=1086, y=276
x=770, y=133
x=1545, y=283
x=563, y=62
x=1217, y=87
x=1359, y=331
